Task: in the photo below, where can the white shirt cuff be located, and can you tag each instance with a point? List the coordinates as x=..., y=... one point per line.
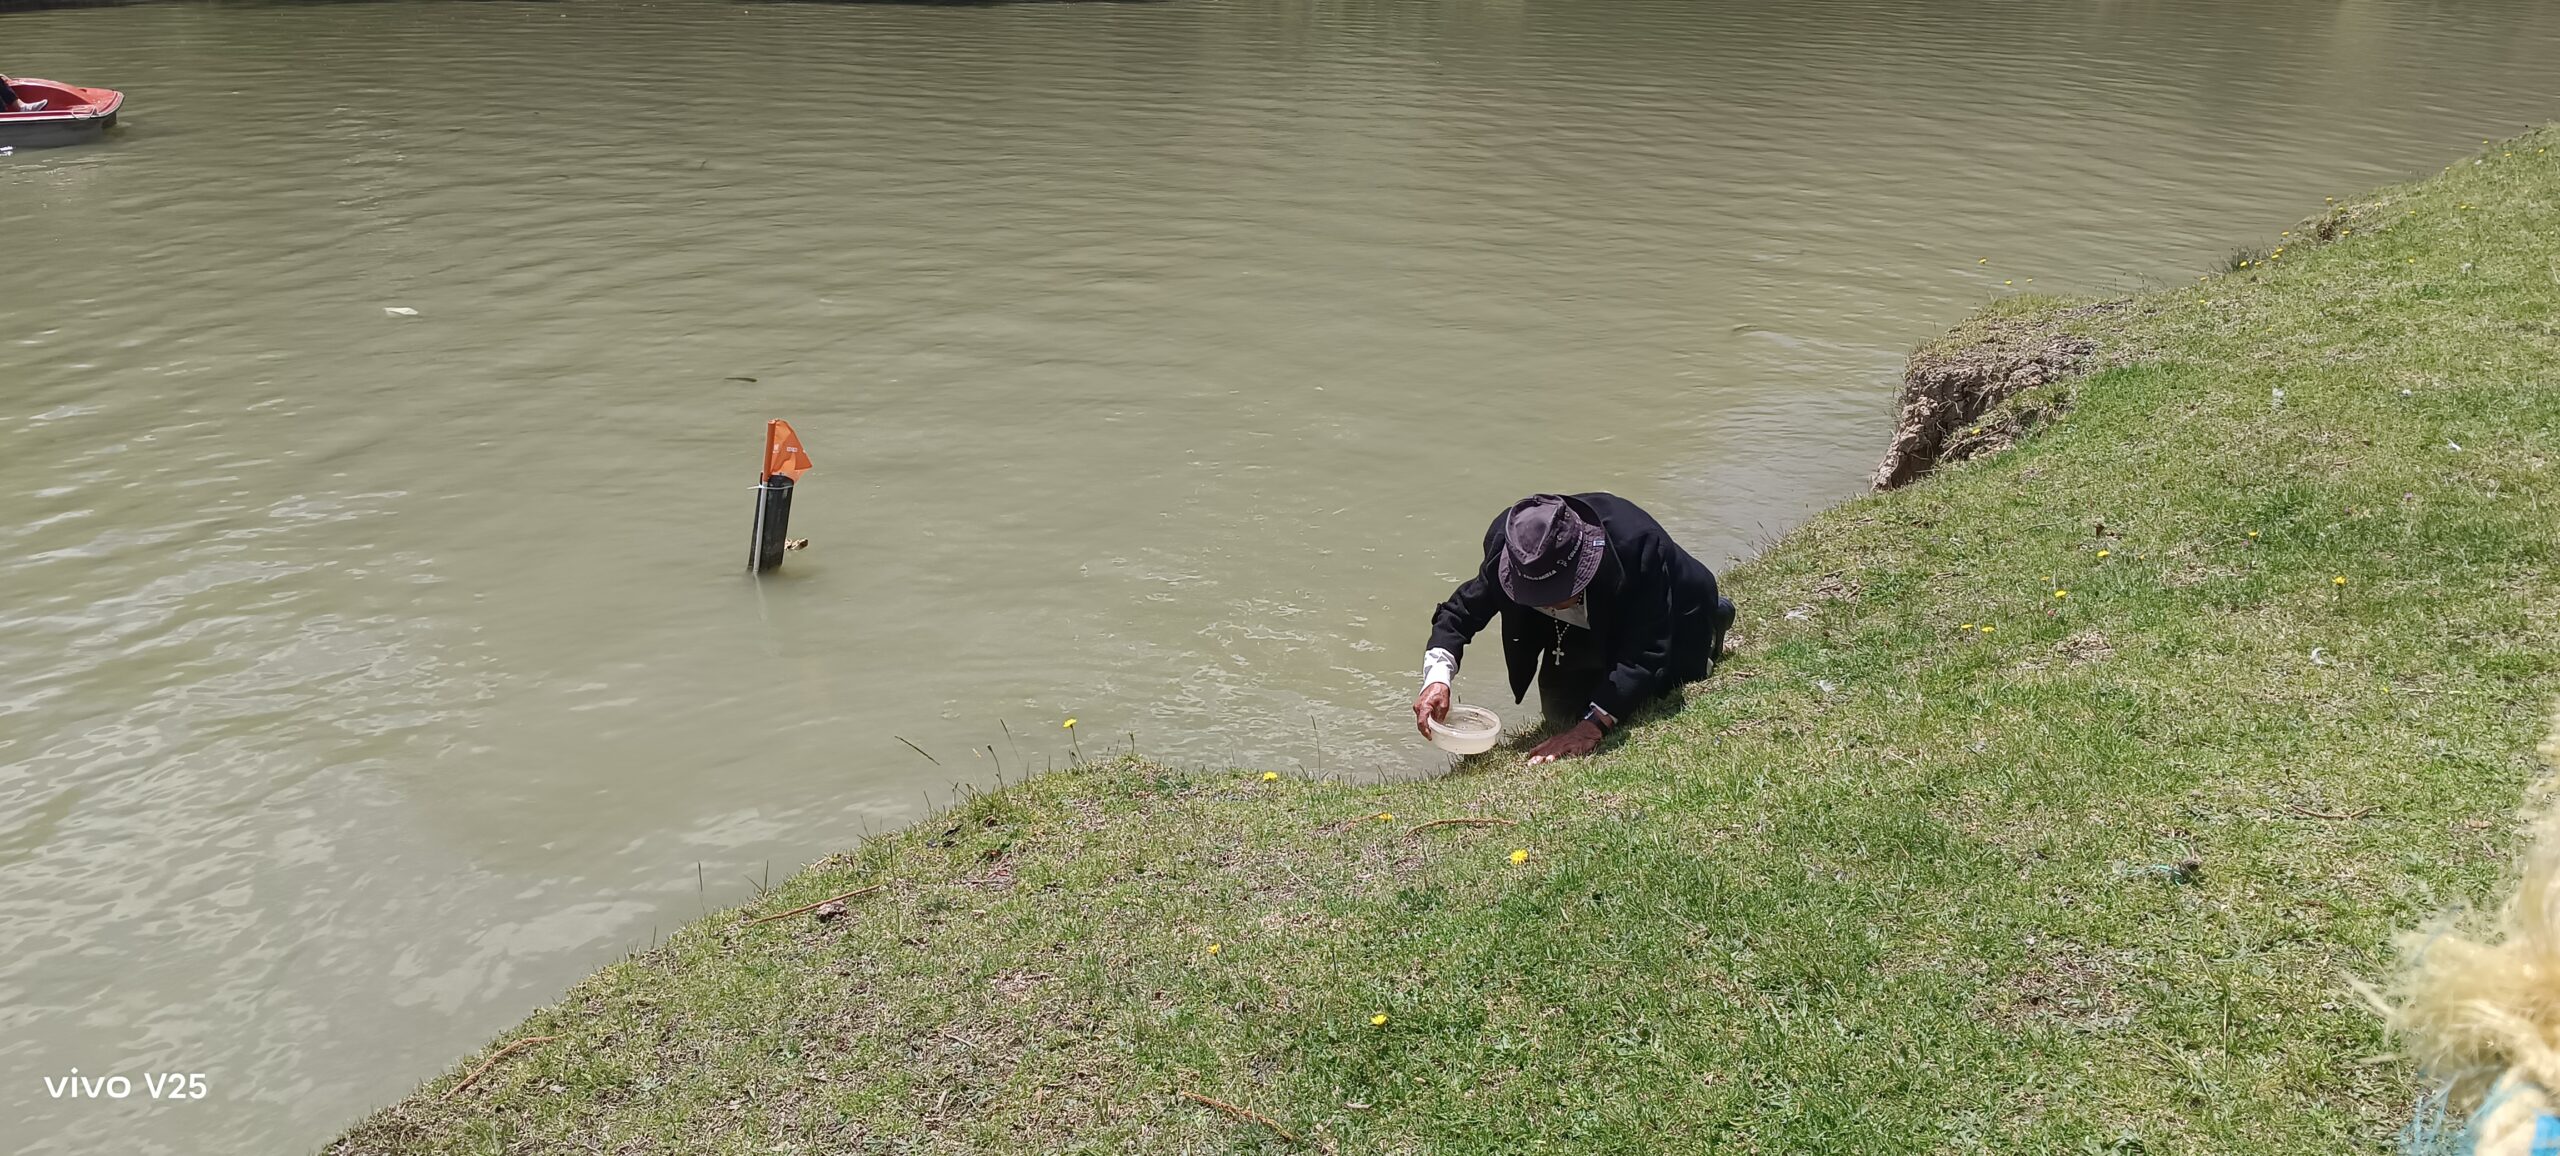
x=1438, y=666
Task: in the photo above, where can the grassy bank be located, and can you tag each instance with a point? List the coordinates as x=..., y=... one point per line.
x=2048, y=807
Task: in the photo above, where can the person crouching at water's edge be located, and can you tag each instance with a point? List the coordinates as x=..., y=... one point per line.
x=1598, y=605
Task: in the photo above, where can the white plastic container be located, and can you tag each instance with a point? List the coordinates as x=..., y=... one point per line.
x=1469, y=730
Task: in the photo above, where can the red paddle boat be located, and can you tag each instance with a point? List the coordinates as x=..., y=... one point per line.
x=71, y=114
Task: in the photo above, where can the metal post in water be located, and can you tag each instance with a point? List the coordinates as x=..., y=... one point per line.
x=783, y=462
x=773, y=522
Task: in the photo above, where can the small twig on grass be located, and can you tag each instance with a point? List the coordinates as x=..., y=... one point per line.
x=2308, y=813
x=1468, y=822
x=1247, y=1115
x=492, y=1061
x=806, y=908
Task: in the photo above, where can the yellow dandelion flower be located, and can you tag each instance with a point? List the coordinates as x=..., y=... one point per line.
x=1379, y=1020
x=1270, y=776
x=1986, y=630
x=1070, y=724
x=2340, y=580
x=1213, y=949
x=1966, y=626
x=1519, y=857
x=2104, y=553
x=2062, y=594
x=1386, y=816
x=2253, y=534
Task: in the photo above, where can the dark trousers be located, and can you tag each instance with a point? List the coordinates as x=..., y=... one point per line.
x=1575, y=669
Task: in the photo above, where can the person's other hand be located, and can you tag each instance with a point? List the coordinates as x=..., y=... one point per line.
x=1583, y=739
x=1432, y=703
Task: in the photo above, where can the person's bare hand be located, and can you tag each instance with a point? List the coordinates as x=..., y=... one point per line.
x=1432, y=703
x=1583, y=739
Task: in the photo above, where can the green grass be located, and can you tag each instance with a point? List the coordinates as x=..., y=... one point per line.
x=1883, y=884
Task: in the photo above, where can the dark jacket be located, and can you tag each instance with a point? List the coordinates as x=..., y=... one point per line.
x=1652, y=608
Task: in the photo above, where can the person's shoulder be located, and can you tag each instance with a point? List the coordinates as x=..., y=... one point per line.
x=1611, y=507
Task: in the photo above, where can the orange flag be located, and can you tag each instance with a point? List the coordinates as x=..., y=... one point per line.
x=782, y=452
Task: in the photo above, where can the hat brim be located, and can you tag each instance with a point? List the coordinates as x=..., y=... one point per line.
x=1563, y=584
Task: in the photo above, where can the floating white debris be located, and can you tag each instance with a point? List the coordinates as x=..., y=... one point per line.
x=399, y=311
x=2454, y=446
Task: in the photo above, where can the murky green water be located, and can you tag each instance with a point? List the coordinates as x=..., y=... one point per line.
x=365, y=679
